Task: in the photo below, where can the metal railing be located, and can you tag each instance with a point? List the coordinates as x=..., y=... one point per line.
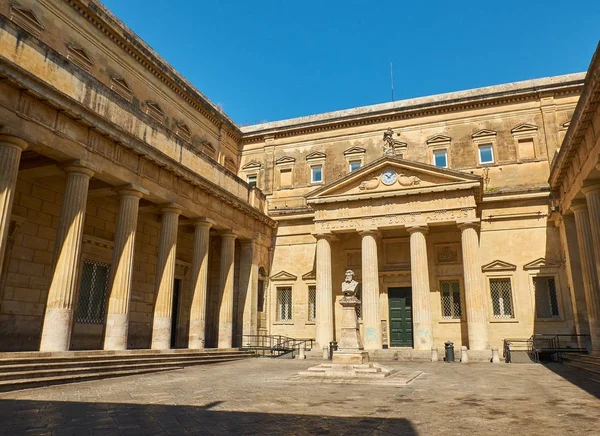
x=275, y=345
x=546, y=346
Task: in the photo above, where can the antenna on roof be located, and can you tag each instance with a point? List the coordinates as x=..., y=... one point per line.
x=392, y=80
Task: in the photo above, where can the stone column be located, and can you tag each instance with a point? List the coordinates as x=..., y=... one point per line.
x=165, y=277
x=56, y=331
x=370, y=291
x=421, y=304
x=199, y=284
x=592, y=196
x=590, y=274
x=477, y=323
x=10, y=155
x=117, y=317
x=248, y=284
x=324, y=324
x=226, y=290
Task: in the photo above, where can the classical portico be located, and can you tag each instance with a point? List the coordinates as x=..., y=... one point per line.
x=395, y=199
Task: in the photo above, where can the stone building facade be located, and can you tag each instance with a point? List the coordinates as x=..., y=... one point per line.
x=135, y=214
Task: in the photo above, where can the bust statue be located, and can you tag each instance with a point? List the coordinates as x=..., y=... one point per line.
x=349, y=285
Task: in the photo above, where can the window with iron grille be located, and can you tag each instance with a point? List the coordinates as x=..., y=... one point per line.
x=284, y=304
x=501, y=293
x=450, y=293
x=546, y=300
x=312, y=303
x=93, y=291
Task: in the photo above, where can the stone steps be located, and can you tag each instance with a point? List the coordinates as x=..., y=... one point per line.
x=590, y=364
x=43, y=369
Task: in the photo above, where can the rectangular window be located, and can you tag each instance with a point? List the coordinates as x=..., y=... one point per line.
x=93, y=291
x=501, y=293
x=261, y=296
x=284, y=304
x=546, y=301
x=486, y=154
x=526, y=148
x=312, y=303
x=285, y=180
x=354, y=165
x=450, y=293
x=251, y=180
x=440, y=158
x=316, y=174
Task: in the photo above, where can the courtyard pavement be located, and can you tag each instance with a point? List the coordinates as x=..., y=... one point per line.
x=263, y=397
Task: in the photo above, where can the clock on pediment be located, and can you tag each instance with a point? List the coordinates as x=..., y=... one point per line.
x=389, y=177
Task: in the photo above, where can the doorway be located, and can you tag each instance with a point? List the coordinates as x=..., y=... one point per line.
x=400, y=304
x=175, y=312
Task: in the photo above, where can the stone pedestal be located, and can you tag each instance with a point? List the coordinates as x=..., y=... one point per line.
x=350, y=347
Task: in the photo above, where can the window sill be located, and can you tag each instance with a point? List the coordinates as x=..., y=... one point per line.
x=549, y=320
x=310, y=323
x=504, y=320
x=283, y=323
x=450, y=321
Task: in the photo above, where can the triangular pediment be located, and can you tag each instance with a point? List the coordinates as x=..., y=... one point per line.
x=26, y=18
x=483, y=133
x=316, y=155
x=283, y=276
x=311, y=275
x=541, y=263
x=437, y=139
x=498, y=265
x=524, y=127
x=355, y=150
x=285, y=160
x=392, y=175
x=252, y=165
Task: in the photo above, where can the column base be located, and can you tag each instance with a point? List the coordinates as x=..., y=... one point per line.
x=423, y=337
x=115, y=337
x=225, y=335
x=196, y=336
x=161, y=334
x=56, y=332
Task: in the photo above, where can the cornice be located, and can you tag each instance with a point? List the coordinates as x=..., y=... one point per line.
x=582, y=116
x=403, y=113
x=127, y=40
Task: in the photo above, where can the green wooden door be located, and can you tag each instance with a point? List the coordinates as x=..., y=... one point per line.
x=400, y=302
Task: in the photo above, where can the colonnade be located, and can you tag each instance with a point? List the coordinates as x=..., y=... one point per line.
x=59, y=312
x=476, y=310
x=587, y=222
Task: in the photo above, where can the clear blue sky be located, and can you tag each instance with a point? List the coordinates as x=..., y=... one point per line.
x=275, y=59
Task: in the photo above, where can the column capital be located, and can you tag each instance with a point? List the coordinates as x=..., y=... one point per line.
x=131, y=189
x=369, y=231
x=13, y=141
x=470, y=224
x=324, y=235
x=578, y=207
x=418, y=229
x=202, y=222
x=170, y=209
x=591, y=188
x=250, y=241
x=228, y=235
x=78, y=167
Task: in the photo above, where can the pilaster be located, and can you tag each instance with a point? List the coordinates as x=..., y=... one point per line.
x=248, y=283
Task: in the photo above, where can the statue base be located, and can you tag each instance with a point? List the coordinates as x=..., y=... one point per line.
x=352, y=357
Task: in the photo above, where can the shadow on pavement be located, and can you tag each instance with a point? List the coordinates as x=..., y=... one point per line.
x=20, y=417
x=581, y=379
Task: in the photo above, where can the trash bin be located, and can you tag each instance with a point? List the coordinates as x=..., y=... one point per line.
x=332, y=348
x=449, y=348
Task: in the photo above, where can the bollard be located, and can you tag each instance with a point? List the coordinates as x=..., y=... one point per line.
x=464, y=358
x=434, y=355
x=325, y=353
x=449, y=351
x=495, y=355
x=301, y=352
x=332, y=348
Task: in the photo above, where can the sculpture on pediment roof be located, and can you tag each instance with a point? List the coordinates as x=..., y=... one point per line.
x=389, y=142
